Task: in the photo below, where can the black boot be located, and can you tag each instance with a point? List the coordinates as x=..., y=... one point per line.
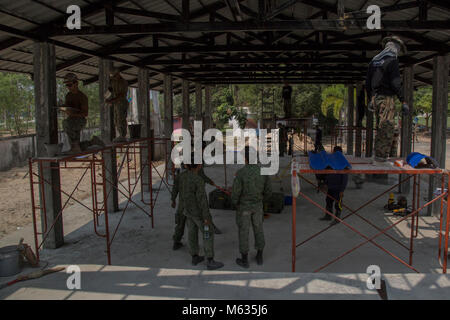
x=197, y=259
x=177, y=245
x=213, y=265
x=336, y=221
x=259, y=257
x=243, y=261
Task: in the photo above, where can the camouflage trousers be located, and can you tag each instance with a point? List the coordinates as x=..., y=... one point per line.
x=72, y=127
x=244, y=220
x=180, y=222
x=384, y=140
x=195, y=224
x=120, y=117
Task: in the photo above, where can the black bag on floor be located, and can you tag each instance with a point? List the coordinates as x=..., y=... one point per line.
x=220, y=200
x=275, y=204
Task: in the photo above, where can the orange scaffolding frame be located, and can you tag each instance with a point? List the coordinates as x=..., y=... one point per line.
x=302, y=167
x=93, y=161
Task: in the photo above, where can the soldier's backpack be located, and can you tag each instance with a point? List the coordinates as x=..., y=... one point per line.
x=275, y=204
x=220, y=200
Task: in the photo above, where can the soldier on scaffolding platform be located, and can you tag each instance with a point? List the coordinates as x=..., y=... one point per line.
x=76, y=107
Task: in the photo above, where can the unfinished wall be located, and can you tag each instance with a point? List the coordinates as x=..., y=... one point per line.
x=15, y=151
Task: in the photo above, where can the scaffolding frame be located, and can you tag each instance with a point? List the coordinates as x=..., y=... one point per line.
x=93, y=161
x=302, y=167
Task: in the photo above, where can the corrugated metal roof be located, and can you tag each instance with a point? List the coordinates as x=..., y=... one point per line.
x=26, y=15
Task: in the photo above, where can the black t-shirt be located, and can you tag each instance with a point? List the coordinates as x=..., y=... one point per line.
x=383, y=77
x=287, y=91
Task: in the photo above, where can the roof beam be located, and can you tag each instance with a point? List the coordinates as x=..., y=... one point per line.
x=440, y=4
x=103, y=51
x=87, y=11
x=281, y=61
x=224, y=26
x=271, y=48
x=149, y=14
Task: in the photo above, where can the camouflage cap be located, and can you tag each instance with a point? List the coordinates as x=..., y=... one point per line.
x=396, y=40
x=70, y=78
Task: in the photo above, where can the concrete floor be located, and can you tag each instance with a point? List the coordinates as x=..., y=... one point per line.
x=142, y=255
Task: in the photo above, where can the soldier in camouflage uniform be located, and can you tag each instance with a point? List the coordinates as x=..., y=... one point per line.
x=383, y=83
x=119, y=88
x=180, y=218
x=249, y=190
x=195, y=208
x=76, y=107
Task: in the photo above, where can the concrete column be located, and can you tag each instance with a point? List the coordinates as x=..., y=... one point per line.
x=185, y=102
x=350, y=117
x=198, y=102
x=406, y=129
x=108, y=133
x=360, y=98
x=439, y=121
x=207, y=119
x=168, y=115
x=47, y=132
x=143, y=107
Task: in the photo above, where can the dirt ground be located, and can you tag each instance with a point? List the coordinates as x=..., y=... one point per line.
x=15, y=195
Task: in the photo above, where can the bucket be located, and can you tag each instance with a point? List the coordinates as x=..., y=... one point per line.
x=135, y=131
x=9, y=261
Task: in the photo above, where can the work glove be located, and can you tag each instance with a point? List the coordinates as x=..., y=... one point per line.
x=405, y=109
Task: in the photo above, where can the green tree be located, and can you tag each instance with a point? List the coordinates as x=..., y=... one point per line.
x=16, y=102
x=423, y=103
x=226, y=112
x=333, y=100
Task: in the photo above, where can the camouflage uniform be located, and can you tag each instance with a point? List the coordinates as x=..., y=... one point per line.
x=249, y=190
x=180, y=218
x=72, y=127
x=394, y=146
x=73, y=124
x=120, y=87
x=384, y=110
x=195, y=207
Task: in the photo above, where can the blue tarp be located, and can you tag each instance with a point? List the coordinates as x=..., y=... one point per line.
x=323, y=160
x=414, y=158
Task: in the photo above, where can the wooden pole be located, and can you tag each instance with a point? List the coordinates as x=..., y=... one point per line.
x=108, y=133
x=406, y=129
x=439, y=118
x=350, y=118
x=44, y=61
x=144, y=114
x=186, y=102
